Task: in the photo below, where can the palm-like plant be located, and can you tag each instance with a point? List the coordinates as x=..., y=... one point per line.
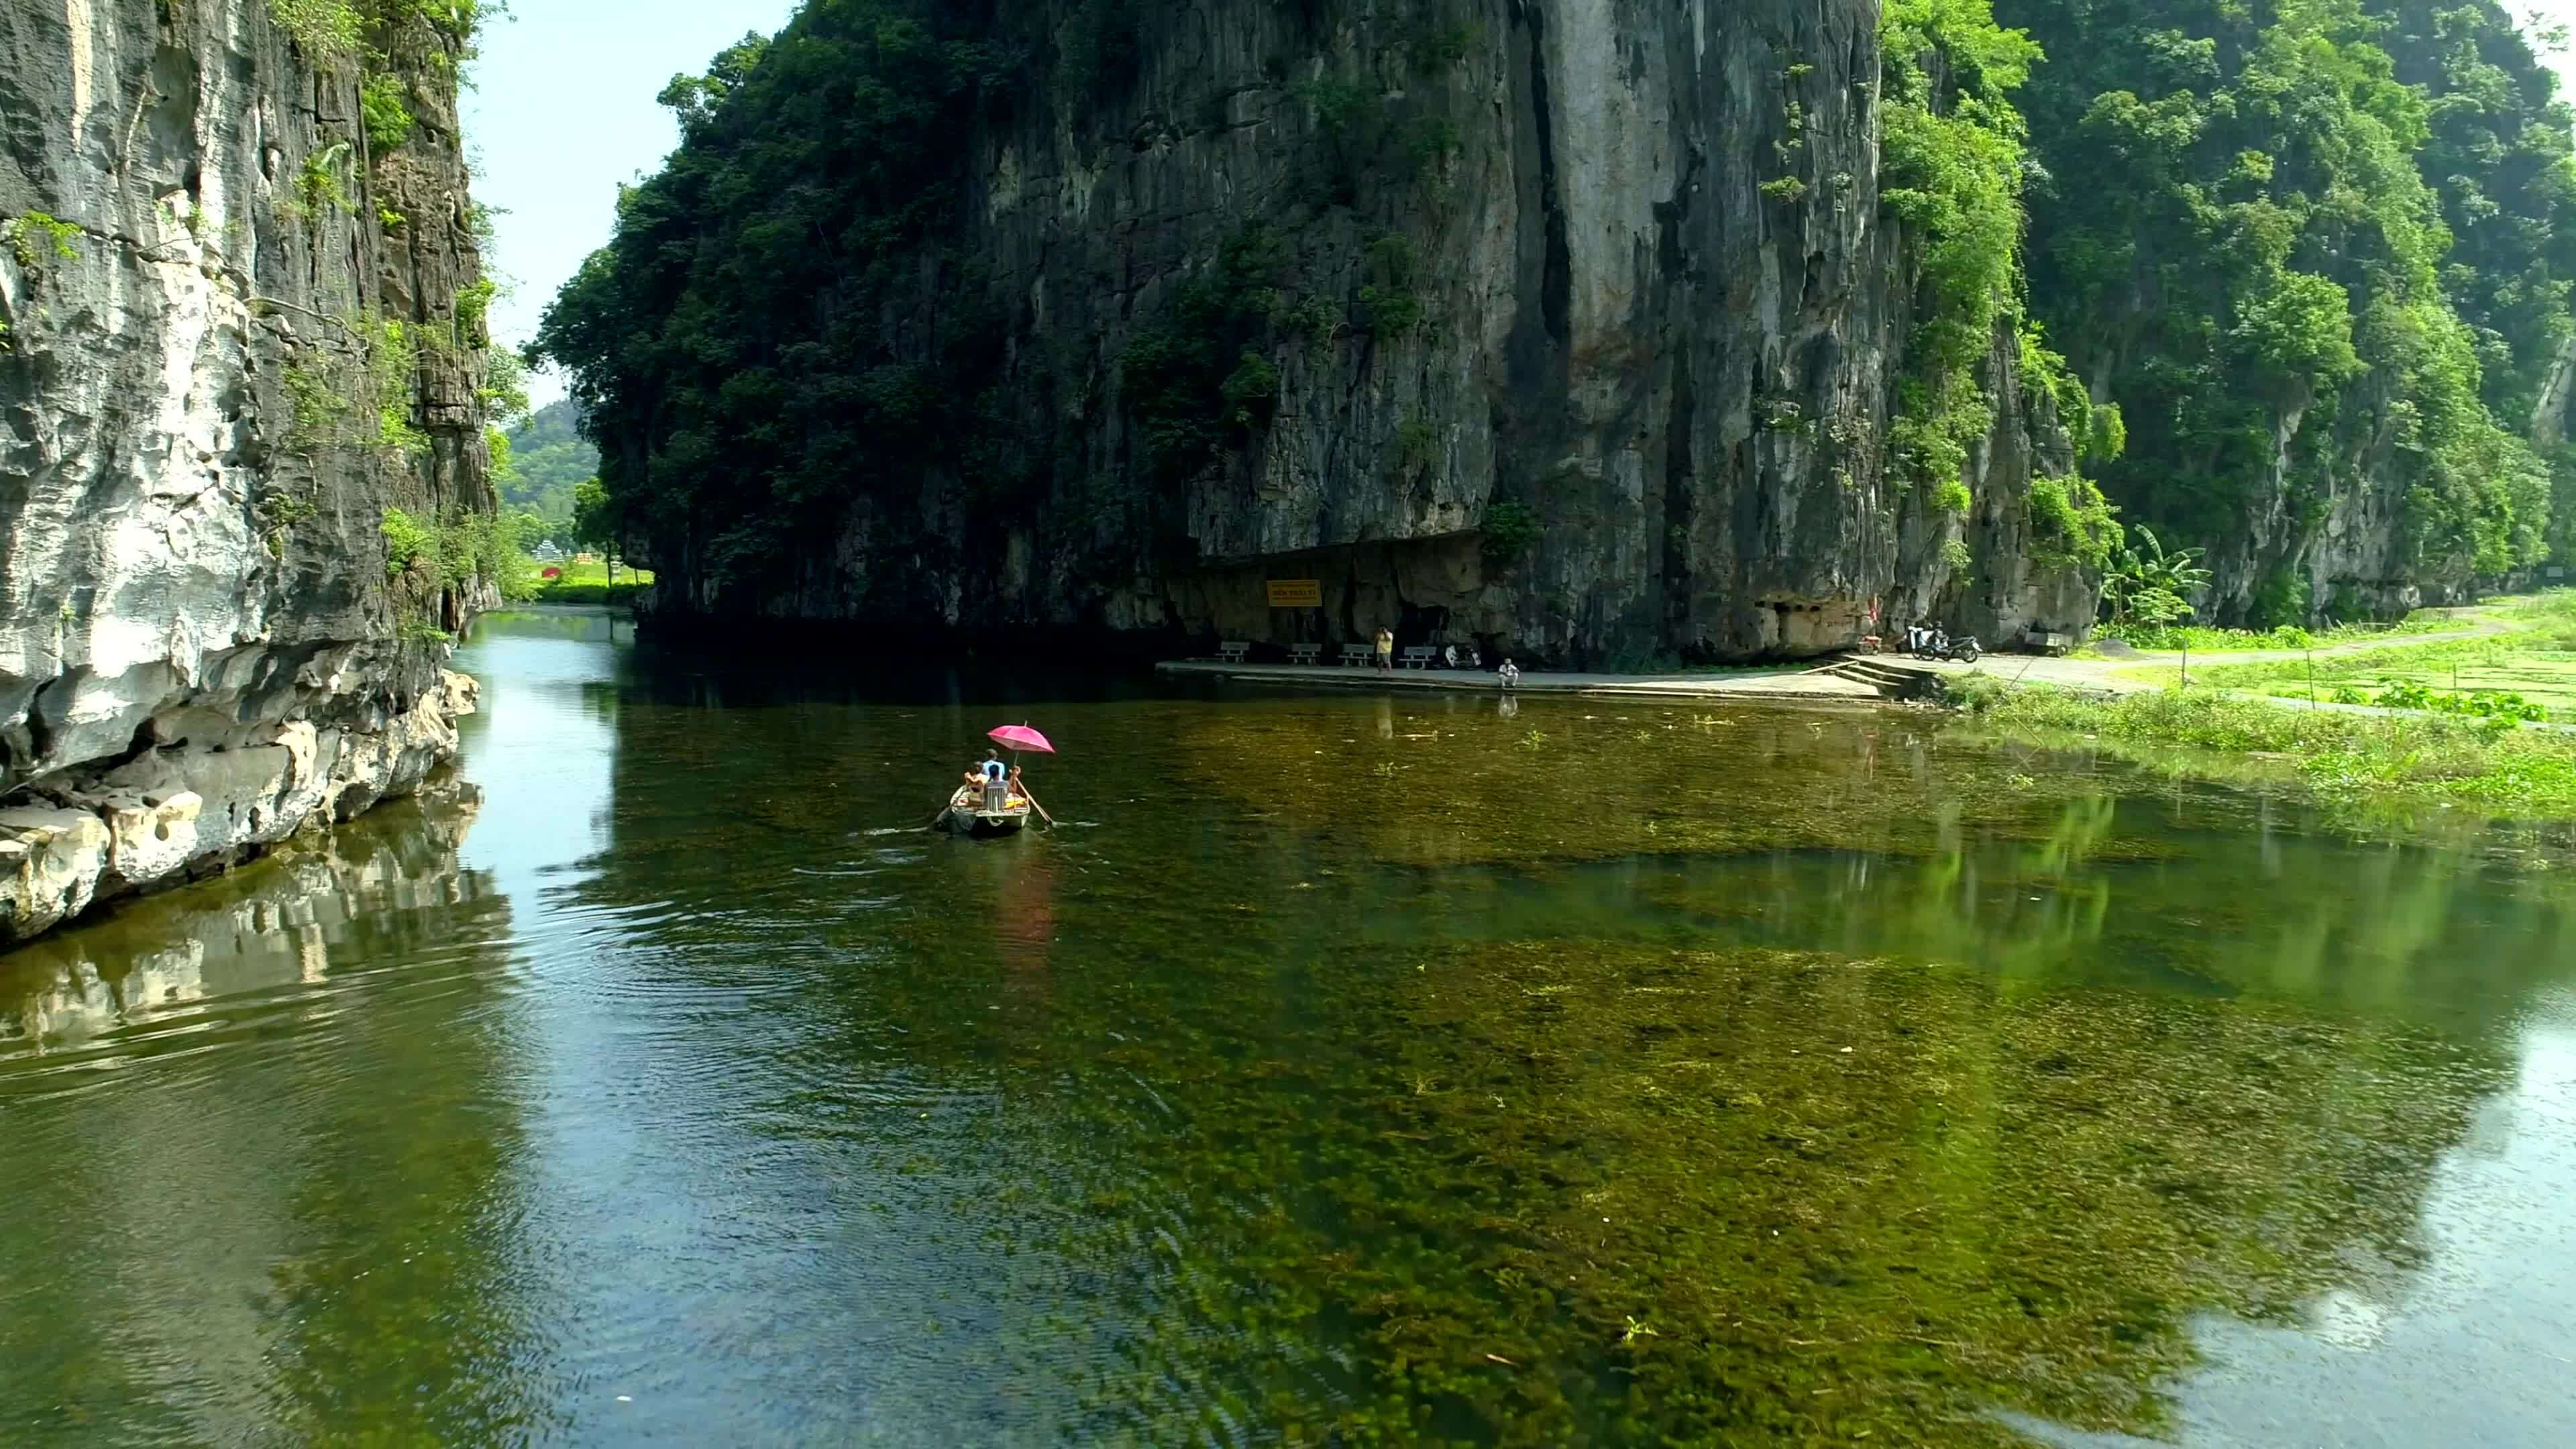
x=2151, y=584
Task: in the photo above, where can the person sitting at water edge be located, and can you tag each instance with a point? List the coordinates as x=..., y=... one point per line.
x=1510, y=674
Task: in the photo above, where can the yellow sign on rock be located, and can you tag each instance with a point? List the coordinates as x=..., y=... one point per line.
x=1296, y=593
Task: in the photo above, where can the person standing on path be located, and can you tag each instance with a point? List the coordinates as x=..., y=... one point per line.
x=1385, y=649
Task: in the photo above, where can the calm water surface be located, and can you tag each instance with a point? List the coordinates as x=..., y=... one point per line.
x=1343, y=1070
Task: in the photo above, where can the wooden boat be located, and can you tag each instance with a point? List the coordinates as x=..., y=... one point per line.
x=969, y=813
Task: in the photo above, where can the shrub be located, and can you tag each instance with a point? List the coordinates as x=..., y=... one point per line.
x=318, y=187
x=325, y=30
x=317, y=407
x=388, y=115
x=406, y=540
x=393, y=377
x=483, y=546
x=38, y=236
x=591, y=595
x=473, y=306
x=1509, y=528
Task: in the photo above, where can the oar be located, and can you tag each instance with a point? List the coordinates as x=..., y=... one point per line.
x=1034, y=805
x=944, y=809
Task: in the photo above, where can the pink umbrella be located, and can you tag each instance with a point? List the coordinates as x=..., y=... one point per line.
x=1021, y=737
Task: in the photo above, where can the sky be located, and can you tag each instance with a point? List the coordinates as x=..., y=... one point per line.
x=2562, y=12
x=561, y=112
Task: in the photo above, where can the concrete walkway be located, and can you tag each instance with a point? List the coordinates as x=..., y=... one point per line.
x=1750, y=684
x=2098, y=676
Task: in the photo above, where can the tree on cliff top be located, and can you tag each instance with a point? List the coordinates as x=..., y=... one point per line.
x=748, y=351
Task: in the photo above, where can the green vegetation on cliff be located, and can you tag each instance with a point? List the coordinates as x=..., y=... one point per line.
x=2314, y=251
x=1956, y=162
x=2295, y=285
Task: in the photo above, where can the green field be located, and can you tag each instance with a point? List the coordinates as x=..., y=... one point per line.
x=2544, y=677
x=2532, y=654
x=595, y=573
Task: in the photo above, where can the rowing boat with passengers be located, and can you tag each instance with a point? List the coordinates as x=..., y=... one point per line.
x=994, y=801
x=993, y=810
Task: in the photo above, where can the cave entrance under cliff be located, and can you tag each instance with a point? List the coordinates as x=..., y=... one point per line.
x=1428, y=591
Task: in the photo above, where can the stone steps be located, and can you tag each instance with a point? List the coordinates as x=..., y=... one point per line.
x=1884, y=673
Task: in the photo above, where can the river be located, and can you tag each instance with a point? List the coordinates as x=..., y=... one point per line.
x=1342, y=1069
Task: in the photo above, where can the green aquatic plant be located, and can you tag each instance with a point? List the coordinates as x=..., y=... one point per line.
x=1867, y=1200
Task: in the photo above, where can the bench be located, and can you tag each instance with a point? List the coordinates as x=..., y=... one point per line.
x=1356, y=654
x=1417, y=656
x=1233, y=651
x=1304, y=653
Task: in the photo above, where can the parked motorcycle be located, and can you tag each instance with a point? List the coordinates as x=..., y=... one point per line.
x=1933, y=642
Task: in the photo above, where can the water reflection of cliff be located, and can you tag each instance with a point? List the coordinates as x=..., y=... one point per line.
x=262, y=1134
x=245, y=933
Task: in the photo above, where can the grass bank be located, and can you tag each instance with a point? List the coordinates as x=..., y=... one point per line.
x=2171, y=637
x=587, y=584
x=616, y=595
x=2375, y=763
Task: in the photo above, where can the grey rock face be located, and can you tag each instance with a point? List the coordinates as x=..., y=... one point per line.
x=199, y=264
x=1682, y=380
x=2336, y=527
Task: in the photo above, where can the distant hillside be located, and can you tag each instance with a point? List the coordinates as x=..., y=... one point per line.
x=549, y=459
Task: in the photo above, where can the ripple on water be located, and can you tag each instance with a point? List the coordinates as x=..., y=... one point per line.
x=1876, y=1097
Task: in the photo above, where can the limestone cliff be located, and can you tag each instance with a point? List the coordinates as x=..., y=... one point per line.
x=1577, y=328
x=233, y=342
